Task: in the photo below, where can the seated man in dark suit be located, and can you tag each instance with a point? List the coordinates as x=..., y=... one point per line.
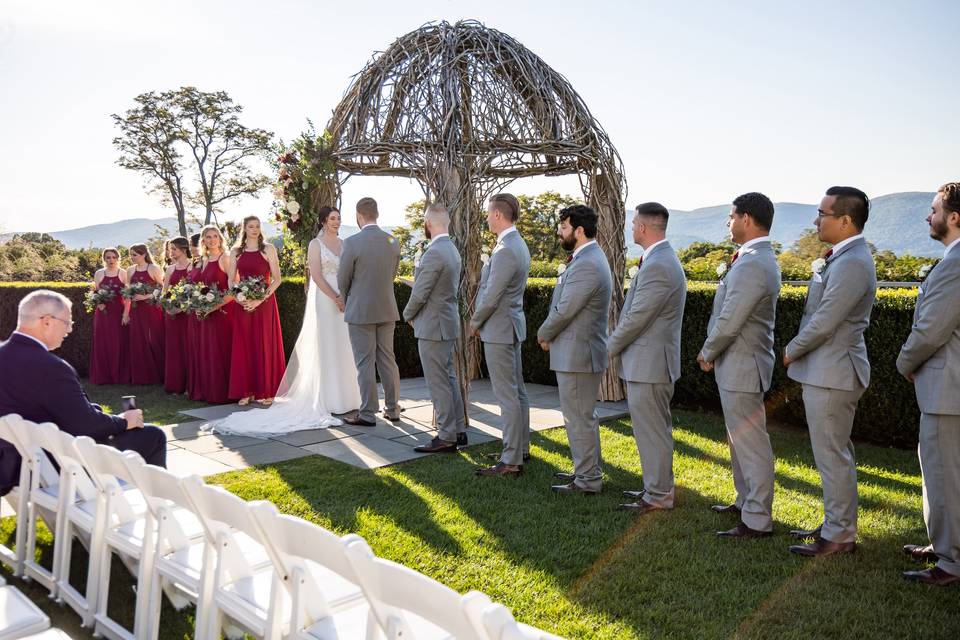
x=41, y=387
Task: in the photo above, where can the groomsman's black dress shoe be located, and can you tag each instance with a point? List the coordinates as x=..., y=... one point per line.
x=823, y=547
x=500, y=469
x=563, y=475
x=725, y=508
x=641, y=507
x=437, y=446
x=636, y=495
x=573, y=488
x=357, y=421
x=496, y=456
x=806, y=533
x=743, y=531
x=391, y=418
x=935, y=576
x=462, y=439
x=920, y=553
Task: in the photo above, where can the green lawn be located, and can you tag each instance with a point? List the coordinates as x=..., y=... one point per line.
x=576, y=567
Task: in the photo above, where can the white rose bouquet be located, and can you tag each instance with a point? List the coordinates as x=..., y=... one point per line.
x=249, y=289
x=177, y=298
x=93, y=299
x=135, y=289
x=204, y=300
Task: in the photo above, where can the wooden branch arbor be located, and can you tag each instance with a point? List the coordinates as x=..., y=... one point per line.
x=465, y=110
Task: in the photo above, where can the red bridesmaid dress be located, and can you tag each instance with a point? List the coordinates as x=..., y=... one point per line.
x=216, y=331
x=193, y=342
x=176, y=345
x=258, y=363
x=108, y=356
x=146, y=337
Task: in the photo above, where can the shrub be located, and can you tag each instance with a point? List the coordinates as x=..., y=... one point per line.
x=888, y=411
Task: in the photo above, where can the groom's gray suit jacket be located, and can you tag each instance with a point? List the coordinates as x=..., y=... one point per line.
x=368, y=266
x=433, y=307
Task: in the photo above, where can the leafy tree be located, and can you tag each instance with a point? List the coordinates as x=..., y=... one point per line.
x=703, y=249
x=191, y=147
x=539, y=217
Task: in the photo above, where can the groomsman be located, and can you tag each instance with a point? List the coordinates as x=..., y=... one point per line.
x=829, y=358
x=575, y=334
x=930, y=358
x=433, y=313
x=499, y=321
x=647, y=339
x=739, y=348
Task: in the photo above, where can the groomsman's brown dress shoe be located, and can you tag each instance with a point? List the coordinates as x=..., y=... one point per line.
x=743, y=531
x=806, y=533
x=935, y=576
x=563, y=475
x=725, y=508
x=462, y=439
x=500, y=469
x=920, y=553
x=437, y=446
x=636, y=495
x=573, y=488
x=823, y=547
x=357, y=421
x=641, y=507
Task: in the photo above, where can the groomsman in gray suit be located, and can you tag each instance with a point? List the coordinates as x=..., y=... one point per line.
x=575, y=334
x=739, y=348
x=647, y=339
x=930, y=358
x=829, y=358
x=499, y=321
x=368, y=266
x=434, y=314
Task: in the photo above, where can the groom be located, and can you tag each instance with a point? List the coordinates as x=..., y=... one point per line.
x=368, y=266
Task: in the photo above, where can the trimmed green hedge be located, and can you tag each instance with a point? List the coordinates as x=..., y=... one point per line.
x=888, y=411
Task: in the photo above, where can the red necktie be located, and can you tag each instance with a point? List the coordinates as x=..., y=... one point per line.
x=828, y=254
x=569, y=258
x=736, y=254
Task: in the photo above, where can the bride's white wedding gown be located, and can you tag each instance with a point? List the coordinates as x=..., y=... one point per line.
x=321, y=377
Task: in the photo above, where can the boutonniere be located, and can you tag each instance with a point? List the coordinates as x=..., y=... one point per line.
x=485, y=257
x=631, y=274
x=924, y=271
x=817, y=265
x=561, y=269
x=419, y=254
x=721, y=269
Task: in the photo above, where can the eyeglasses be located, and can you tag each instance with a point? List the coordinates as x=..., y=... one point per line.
x=69, y=322
x=823, y=214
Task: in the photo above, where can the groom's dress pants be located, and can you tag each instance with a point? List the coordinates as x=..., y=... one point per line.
x=372, y=346
x=506, y=377
x=436, y=356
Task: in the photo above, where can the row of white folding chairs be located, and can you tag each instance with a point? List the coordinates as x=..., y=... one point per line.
x=242, y=563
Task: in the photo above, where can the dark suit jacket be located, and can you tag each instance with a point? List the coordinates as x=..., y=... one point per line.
x=42, y=387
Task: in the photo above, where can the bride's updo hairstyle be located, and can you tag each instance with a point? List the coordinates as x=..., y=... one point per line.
x=241, y=245
x=322, y=216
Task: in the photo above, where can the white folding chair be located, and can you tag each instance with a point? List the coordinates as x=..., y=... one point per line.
x=126, y=530
x=79, y=516
x=17, y=498
x=409, y=605
x=500, y=624
x=43, y=500
x=326, y=599
x=179, y=549
x=245, y=588
x=49, y=634
x=19, y=617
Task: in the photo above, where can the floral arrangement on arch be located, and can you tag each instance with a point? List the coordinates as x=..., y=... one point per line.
x=304, y=168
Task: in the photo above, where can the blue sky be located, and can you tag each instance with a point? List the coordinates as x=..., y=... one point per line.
x=704, y=100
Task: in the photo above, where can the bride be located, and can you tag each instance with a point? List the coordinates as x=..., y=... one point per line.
x=321, y=377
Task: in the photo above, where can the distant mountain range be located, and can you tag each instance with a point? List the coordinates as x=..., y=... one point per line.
x=897, y=222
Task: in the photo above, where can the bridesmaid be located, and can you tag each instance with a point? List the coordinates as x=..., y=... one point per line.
x=175, y=326
x=145, y=320
x=193, y=325
x=108, y=357
x=258, y=363
x=216, y=328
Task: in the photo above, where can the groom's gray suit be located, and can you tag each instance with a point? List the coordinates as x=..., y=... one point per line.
x=435, y=315
x=576, y=329
x=932, y=354
x=740, y=344
x=830, y=360
x=368, y=266
x=647, y=339
x=498, y=314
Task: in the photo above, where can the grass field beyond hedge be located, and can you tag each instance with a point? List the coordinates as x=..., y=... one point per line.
x=576, y=567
